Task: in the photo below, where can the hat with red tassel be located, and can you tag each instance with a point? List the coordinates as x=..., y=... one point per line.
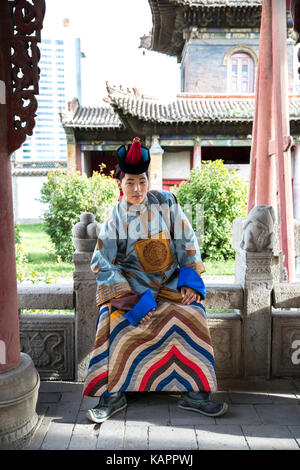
x=135, y=159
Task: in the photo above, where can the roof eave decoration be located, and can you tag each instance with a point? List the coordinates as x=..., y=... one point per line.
x=141, y=114
x=171, y=18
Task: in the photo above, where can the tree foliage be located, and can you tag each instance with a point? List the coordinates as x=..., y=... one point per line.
x=67, y=194
x=223, y=196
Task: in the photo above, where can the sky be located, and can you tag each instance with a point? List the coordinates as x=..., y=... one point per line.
x=110, y=32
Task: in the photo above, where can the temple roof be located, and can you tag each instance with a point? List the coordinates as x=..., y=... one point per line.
x=214, y=3
x=127, y=106
x=100, y=117
x=172, y=18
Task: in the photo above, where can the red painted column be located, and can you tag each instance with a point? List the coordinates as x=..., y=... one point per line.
x=197, y=153
x=281, y=132
x=9, y=322
x=262, y=185
x=296, y=186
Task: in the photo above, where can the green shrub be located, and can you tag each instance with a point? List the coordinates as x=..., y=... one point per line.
x=67, y=195
x=21, y=258
x=223, y=195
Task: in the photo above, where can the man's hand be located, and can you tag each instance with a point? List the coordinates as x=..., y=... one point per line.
x=189, y=295
x=148, y=316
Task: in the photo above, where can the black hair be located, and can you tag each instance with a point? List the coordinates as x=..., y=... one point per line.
x=119, y=174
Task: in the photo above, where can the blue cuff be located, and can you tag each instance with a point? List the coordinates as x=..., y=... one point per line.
x=140, y=310
x=189, y=278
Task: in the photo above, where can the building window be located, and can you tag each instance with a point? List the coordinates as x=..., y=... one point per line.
x=241, y=73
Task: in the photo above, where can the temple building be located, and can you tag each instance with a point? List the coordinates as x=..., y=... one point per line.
x=216, y=43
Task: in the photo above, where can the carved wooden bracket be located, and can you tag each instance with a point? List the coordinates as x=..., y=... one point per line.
x=21, y=22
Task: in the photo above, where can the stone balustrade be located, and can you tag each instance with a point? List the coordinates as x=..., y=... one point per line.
x=254, y=340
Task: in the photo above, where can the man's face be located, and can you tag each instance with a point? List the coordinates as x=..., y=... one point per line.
x=134, y=188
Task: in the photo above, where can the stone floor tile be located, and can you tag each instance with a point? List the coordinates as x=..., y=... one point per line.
x=286, y=398
x=257, y=385
x=180, y=417
x=135, y=437
x=88, y=403
x=64, y=412
x=56, y=386
x=239, y=414
x=221, y=397
x=49, y=397
x=111, y=433
x=295, y=431
x=84, y=435
x=221, y=437
x=249, y=398
x=170, y=438
x=154, y=413
x=269, y=437
x=279, y=414
x=58, y=436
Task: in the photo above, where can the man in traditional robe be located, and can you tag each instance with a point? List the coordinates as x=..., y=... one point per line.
x=152, y=332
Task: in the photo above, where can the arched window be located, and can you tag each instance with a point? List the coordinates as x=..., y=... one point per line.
x=241, y=73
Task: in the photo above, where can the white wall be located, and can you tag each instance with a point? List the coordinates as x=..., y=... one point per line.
x=242, y=169
x=26, y=191
x=176, y=165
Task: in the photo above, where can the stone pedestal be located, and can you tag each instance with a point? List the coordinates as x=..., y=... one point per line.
x=84, y=239
x=257, y=264
x=86, y=312
x=18, y=396
x=255, y=275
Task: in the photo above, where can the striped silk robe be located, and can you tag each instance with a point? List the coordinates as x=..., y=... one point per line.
x=144, y=254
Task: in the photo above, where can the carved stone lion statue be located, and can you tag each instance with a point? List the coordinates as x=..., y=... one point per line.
x=258, y=229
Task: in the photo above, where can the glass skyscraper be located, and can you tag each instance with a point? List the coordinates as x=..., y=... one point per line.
x=60, y=81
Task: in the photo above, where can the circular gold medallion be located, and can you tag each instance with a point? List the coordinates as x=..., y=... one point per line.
x=155, y=253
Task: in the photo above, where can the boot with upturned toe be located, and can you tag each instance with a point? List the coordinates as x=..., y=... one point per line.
x=107, y=407
x=201, y=403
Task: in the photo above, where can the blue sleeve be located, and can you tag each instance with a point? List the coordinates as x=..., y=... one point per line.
x=142, y=308
x=189, y=278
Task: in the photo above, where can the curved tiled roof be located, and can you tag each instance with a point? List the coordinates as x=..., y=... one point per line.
x=218, y=3
x=186, y=108
x=91, y=117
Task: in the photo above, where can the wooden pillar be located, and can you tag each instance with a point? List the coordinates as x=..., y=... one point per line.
x=197, y=157
x=262, y=184
x=281, y=137
x=270, y=162
x=9, y=322
x=20, y=24
x=296, y=183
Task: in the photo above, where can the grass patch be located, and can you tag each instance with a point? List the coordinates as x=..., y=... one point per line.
x=219, y=268
x=43, y=263
x=42, y=260
x=48, y=311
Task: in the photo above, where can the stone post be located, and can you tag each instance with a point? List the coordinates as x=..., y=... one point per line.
x=254, y=239
x=85, y=235
x=155, y=167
